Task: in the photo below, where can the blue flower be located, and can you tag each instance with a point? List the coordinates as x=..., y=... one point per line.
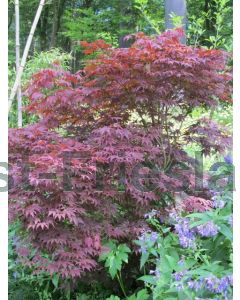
x=155, y=272
x=212, y=284
x=186, y=242
x=185, y=234
x=228, y=159
x=207, y=230
x=179, y=275
x=153, y=237
x=230, y=221
x=219, y=204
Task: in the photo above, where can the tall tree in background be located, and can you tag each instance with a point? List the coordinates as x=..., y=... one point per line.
x=58, y=9
x=179, y=8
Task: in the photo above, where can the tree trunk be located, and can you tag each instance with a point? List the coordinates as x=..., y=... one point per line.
x=43, y=29
x=17, y=30
x=56, y=4
x=206, y=9
x=180, y=9
x=122, y=42
x=25, y=54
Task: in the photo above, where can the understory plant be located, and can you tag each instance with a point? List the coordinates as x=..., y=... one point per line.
x=195, y=260
x=189, y=256
x=109, y=147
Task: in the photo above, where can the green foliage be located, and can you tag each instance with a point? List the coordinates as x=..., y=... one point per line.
x=222, y=11
x=22, y=283
x=111, y=20
x=211, y=257
x=210, y=25
x=176, y=20
x=196, y=29
x=44, y=60
x=85, y=25
x=113, y=298
x=114, y=258
x=141, y=295
x=153, y=15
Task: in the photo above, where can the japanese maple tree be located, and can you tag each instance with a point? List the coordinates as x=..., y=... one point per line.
x=108, y=144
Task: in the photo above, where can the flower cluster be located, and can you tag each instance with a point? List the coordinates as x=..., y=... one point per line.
x=212, y=284
x=208, y=229
x=217, y=201
x=219, y=204
x=147, y=237
x=185, y=234
x=178, y=275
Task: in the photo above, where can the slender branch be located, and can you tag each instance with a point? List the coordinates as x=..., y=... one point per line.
x=17, y=33
x=119, y=277
x=25, y=54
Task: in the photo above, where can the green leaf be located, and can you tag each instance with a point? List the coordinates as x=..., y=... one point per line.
x=113, y=298
x=142, y=295
x=172, y=261
x=164, y=265
x=165, y=230
x=148, y=279
x=144, y=259
x=124, y=248
x=55, y=280
x=197, y=223
x=123, y=256
x=226, y=231
x=133, y=297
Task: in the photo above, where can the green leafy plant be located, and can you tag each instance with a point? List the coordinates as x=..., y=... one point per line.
x=218, y=32
x=114, y=260
x=155, y=23
x=194, y=260
x=176, y=20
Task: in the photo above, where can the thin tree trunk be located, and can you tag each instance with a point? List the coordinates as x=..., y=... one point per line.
x=43, y=28
x=56, y=4
x=122, y=42
x=10, y=18
x=17, y=30
x=178, y=7
x=206, y=10
x=25, y=54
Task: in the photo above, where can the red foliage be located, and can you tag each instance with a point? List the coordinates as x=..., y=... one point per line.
x=95, y=46
x=197, y=204
x=126, y=108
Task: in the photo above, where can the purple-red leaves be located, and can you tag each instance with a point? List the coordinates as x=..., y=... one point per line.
x=119, y=121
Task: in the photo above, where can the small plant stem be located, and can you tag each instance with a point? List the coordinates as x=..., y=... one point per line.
x=119, y=277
